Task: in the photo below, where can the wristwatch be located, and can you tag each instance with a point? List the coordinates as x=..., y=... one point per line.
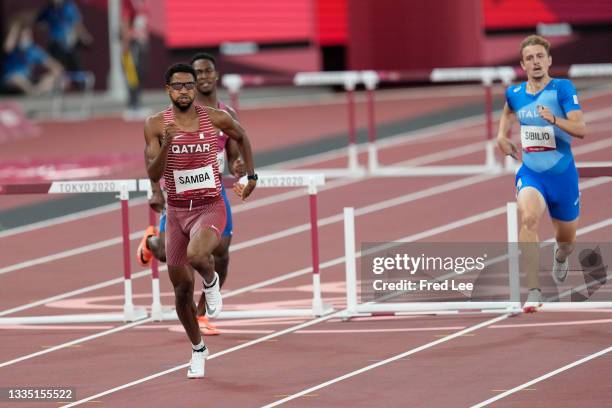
x=252, y=177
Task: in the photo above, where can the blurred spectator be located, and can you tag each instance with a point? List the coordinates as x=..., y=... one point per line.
x=22, y=57
x=66, y=32
x=135, y=46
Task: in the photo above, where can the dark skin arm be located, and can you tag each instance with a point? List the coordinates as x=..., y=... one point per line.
x=224, y=121
x=157, y=200
x=158, y=138
x=235, y=163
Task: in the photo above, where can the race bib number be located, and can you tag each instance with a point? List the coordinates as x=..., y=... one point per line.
x=194, y=179
x=538, y=138
x=221, y=161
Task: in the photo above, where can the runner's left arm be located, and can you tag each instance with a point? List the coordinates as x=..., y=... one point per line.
x=224, y=121
x=567, y=97
x=234, y=162
x=574, y=124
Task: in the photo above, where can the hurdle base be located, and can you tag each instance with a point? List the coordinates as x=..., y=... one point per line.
x=138, y=314
x=568, y=306
x=429, y=308
x=323, y=309
x=253, y=314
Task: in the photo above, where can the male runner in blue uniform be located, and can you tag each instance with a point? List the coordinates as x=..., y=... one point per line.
x=550, y=116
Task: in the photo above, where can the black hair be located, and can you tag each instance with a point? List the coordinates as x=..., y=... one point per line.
x=178, y=67
x=203, y=55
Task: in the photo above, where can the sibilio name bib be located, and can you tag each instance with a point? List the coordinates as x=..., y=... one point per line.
x=538, y=138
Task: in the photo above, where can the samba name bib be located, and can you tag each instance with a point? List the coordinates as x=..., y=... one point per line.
x=194, y=179
x=538, y=138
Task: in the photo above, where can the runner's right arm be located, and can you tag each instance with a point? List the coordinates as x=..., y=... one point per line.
x=506, y=121
x=158, y=138
x=157, y=201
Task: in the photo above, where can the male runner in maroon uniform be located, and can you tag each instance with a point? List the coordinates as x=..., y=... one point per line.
x=181, y=146
x=152, y=243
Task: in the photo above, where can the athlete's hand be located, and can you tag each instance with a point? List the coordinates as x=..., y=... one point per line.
x=170, y=132
x=248, y=189
x=157, y=201
x=238, y=168
x=244, y=191
x=237, y=188
x=546, y=114
x=508, y=147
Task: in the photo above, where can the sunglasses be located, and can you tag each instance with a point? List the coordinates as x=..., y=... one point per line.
x=177, y=86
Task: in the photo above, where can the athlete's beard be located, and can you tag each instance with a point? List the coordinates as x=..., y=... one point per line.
x=182, y=108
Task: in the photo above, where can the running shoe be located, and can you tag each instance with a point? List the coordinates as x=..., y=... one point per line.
x=197, y=364
x=143, y=253
x=559, y=269
x=207, y=328
x=534, y=301
x=214, y=302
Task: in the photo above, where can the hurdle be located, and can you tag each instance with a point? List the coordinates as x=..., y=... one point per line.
x=487, y=76
x=349, y=80
x=356, y=309
x=267, y=179
x=123, y=187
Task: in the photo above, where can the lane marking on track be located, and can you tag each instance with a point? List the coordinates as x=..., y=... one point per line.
x=388, y=360
x=75, y=342
x=213, y=356
x=542, y=378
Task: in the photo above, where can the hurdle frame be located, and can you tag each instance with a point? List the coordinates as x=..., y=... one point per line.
x=158, y=312
x=356, y=309
x=123, y=187
x=485, y=75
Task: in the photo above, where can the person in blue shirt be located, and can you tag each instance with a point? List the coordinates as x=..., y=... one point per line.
x=550, y=117
x=66, y=32
x=22, y=56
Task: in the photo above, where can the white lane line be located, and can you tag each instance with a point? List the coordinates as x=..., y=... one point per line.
x=76, y=341
x=75, y=292
x=70, y=217
x=327, y=264
x=66, y=254
x=213, y=356
x=542, y=378
x=388, y=360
